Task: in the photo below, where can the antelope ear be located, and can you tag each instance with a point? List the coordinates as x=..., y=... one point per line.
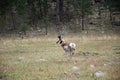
x=61, y=42
x=57, y=42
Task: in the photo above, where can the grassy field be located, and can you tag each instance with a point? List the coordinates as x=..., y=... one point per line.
x=42, y=59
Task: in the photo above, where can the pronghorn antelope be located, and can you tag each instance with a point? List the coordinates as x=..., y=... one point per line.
x=69, y=48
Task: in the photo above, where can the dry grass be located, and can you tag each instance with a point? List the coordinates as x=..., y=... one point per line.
x=42, y=59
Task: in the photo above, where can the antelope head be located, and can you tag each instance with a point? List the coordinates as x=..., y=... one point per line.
x=59, y=40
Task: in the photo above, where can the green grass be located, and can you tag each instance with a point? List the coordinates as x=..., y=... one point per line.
x=42, y=59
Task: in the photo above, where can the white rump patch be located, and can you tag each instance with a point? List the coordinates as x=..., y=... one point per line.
x=72, y=45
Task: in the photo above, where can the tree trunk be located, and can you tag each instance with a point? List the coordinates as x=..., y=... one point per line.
x=58, y=16
x=46, y=30
x=41, y=11
x=13, y=21
x=61, y=9
x=58, y=11
x=110, y=16
x=82, y=22
x=99, y=9
x=82, y=16
x=45, y=9
x=33, y=16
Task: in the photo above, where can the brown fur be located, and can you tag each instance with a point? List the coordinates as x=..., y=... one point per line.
x=63, y=43
x=67, y=44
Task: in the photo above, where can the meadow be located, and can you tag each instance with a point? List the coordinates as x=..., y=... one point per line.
x=42, y=59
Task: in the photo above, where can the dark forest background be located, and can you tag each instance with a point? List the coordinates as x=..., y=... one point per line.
x=60, y=16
